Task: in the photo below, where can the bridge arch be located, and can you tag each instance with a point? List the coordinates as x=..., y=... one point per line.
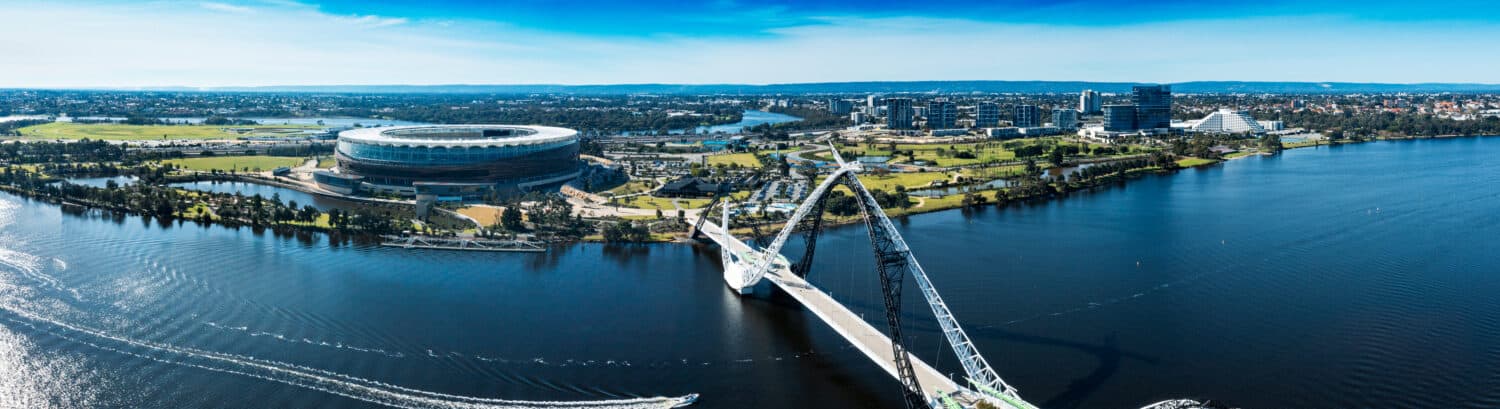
x=894, y=262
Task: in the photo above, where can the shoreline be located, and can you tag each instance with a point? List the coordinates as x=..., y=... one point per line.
x=833, y=221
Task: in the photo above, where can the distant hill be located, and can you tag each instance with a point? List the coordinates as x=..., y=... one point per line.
x=1025, y=87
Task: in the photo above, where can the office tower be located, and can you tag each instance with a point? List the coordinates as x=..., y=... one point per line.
x=1027, y=116
x=1119, y=118
x=1065, y=119
x=898, y=113
x=870, y=107
x=942, y=114
x=1153, y=106
x=1089, y=103
x=987, y=116
x=839, y=107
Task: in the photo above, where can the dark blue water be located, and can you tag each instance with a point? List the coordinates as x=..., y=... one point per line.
x=103, y=181
x=750, y=118
x=1354, y=276
x=267, y=191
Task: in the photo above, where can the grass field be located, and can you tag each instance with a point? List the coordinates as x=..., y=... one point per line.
x=747, y=160
x=236, y=163
x=1303, y=144
x=1191, y=162
x=325, y=162
x=663, y=203
x=486, y=216
x=631, y=187
x=120, y=132
x=913, y=180
x=983, y=152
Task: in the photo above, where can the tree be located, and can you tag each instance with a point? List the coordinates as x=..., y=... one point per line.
x=1056, y=157
x=1271, y=143
x=511, y=218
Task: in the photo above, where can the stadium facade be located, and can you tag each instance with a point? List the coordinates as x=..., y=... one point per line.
x=452, y=162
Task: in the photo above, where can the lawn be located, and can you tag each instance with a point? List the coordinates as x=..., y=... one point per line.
x=994, y=172
x=1303, y=144
x=1189, y=162
x=746, y=160
x=236, y=163
x=912, y=180
x=631, y=187
x=663, y=203
x=983, y=152
x=326, y=162
x=120, y=132
x=487, y=216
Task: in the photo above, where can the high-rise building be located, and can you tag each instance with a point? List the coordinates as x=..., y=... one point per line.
x=1027, y=116
x=1089, y=103
x=987, y=115
x=1153, y=106
x=942, y=114
x=898, y=113
x=1119, y=118
x=1065, y=119
x=870, y=107
x=838, y=106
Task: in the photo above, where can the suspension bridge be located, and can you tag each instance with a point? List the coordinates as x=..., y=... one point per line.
x=922, y=386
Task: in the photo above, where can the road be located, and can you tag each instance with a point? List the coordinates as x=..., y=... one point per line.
x=865, y=337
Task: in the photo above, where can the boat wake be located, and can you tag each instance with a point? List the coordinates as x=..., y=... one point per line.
x=16, y=302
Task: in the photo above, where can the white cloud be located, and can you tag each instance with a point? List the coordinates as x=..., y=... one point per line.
x=206, y=46
x=375, y=21
x=225, y=7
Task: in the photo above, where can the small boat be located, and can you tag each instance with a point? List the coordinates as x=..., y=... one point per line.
x=686, y=400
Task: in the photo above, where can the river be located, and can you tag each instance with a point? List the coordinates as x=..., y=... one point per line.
x=1351, y=276
x=750, y=118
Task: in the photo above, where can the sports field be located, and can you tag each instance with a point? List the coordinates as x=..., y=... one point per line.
x=236, y=163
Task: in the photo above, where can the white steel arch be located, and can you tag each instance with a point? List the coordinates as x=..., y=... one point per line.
x=979, y=372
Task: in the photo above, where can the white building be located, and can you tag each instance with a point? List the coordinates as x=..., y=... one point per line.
x=1090, y=103
x=1272, y=126
x=1228, y=121
x=1003, y=133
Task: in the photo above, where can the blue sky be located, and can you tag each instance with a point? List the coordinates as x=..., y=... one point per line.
x=286, y=42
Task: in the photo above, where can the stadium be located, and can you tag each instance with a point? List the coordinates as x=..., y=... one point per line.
x=451, y=162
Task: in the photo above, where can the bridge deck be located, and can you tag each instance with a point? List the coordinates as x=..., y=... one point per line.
x=865, y=337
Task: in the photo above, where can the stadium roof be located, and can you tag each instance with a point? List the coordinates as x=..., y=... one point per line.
x=459, y=136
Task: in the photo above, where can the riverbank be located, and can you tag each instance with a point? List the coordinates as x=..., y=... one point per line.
x=989, y=197
x=1026, y=191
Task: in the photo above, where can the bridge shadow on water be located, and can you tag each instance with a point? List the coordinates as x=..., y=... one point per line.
x=1107, y=353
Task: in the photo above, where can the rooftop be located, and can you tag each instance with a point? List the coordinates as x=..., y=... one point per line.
x=449, y=136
